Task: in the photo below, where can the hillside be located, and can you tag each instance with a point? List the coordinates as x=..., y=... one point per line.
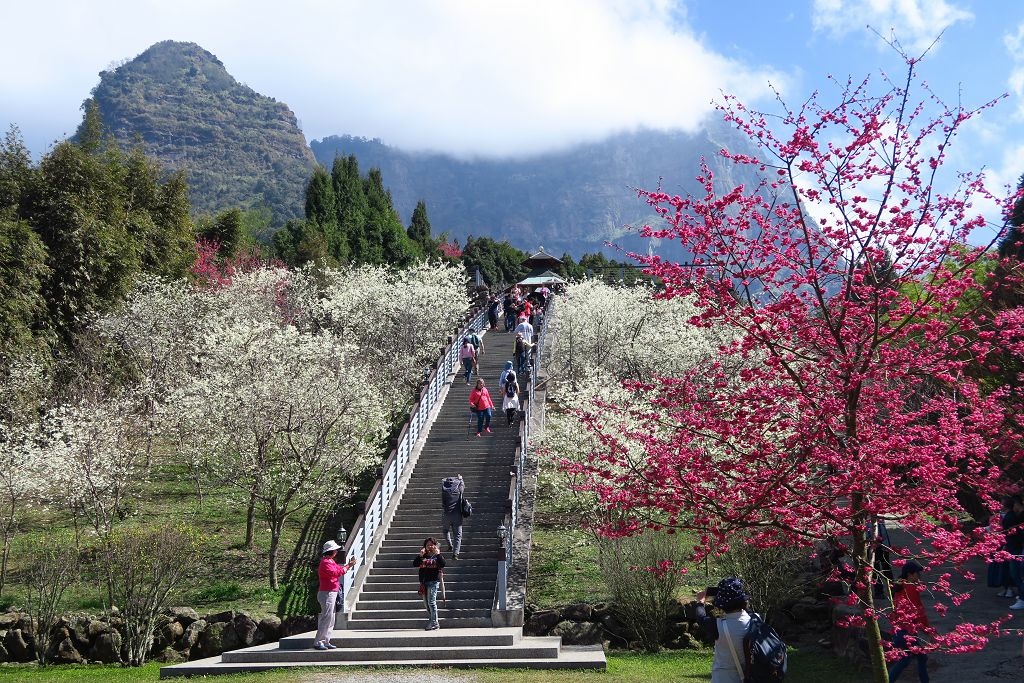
x=572, y=200
x=238, y=147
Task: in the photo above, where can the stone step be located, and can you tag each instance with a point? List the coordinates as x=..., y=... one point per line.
x=403, y=561
x=505, y=636
x=416, y=603
x=416, y=623
x=408, y=592
x=396, y=654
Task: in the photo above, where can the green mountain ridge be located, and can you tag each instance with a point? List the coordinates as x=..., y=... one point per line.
x=238, y=148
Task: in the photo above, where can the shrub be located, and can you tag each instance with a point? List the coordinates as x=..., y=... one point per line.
x=643, y=575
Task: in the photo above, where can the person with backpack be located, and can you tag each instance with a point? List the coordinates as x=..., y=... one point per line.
x=747, y=650
x=328, y=573
x=431, y=564
x=477, y=341
x=909, y=619
x=467, y=354
x=510, y=402
x=452, y=489
x=492, y=311
x=522, y=351
x=504, y=375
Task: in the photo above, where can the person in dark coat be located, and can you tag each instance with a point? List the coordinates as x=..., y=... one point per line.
x=431, y=564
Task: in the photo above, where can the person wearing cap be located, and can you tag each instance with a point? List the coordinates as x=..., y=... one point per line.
x=329, y=572
x=452, y=489
x=727, y=632
x=909, y=619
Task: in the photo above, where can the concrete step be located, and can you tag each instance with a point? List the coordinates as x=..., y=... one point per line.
x=418, y=622
x=463, y=561
x=409, y=593
x=392, y=654
x=492, y=637
x=416, y=603
x=380, y=584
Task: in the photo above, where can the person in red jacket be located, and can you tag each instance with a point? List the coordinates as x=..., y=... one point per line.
x=910, y=620
x=481, y=403
x=329, y=573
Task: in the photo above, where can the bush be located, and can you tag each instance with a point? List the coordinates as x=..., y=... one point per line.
x=643, y=575
x=771, y=575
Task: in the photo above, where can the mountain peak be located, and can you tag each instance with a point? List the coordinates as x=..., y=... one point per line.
x=238, y=147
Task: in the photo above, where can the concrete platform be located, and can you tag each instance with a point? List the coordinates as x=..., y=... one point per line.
x=465, y=648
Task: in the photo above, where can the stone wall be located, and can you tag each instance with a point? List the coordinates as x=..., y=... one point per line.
x=181, y=635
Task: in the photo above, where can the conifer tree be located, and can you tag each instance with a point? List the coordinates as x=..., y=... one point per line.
x=351, y=205
x=419, y=230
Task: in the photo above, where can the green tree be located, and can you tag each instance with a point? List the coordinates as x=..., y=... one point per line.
x=23, y=271
x=91, y=134
x=351, y=207
x=227, y=230
x=16, y=172
x=419, y=230
x=1012, y=244
x=385, y=238
x=500, y=263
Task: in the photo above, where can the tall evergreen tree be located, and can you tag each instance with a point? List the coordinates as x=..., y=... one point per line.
x=386, y=241
x=1012, y=243
x=226, y=230
x=352, y=205
x=419, y=230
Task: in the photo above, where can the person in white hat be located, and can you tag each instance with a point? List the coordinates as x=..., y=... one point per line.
x=329, y=572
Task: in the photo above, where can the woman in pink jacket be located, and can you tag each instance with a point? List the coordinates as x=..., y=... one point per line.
x=480, y=402
x=329, y=573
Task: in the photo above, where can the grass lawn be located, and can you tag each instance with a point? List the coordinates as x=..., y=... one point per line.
x=681, y=667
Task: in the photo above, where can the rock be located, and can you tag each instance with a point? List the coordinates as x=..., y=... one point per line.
x=169, y=655
x=676, y=610
x=98, y=628
x=106, y=648
x=579, y=611
x=79, y=632
x=245, y=629
x=66, y=653
x=267, y=631
x=541, y=623
x=229, y=639
x=210, y=639
x=5, y=656
x=225, y=616
x=170, y=633
x=681, y=641
x=299, y=623
x=575, y=633
x=19, y=647
x=600, y=611
x=808, y=609
x=191, y=635
x=182, y=615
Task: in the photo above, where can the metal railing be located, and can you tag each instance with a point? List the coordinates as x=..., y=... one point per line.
x=372, y=510
x=506, y=558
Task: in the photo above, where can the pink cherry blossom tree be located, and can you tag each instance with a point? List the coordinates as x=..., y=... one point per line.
x=843, y=399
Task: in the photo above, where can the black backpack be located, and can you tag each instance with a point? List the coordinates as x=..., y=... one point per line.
x=765, y=651
x=510, y=385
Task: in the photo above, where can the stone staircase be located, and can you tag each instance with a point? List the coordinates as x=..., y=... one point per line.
x=386, y=626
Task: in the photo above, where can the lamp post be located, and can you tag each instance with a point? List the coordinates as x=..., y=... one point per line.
x=502, y=534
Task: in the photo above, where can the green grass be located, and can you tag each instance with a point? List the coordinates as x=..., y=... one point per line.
x=623, y=667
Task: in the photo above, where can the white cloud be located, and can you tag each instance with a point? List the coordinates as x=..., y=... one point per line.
x=1015, y=46
x=455, y=75
x=914, y=23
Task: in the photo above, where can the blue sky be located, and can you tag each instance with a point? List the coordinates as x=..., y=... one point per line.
x=517, y=78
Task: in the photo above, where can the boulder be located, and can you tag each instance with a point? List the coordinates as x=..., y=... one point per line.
x=681, y=641
x=170, y=633
x=225, y=616
x=19, y=647
x=298, y=623
x=541, y=623
x=9, y=620
x=79, y=632
x=209, y=644
x=98, y=628
x=5, y=656
x=577, y=633
x=245, y=629
x=809, y=609
x=182, y=615
x=229, y=639
x=67, y=653
x=267, y=631
x=579, y=611
x=191, y=635
x=169, y=655
x=106, y=648
x=601, y=610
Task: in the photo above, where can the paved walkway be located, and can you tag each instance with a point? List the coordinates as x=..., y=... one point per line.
x=1001, y=660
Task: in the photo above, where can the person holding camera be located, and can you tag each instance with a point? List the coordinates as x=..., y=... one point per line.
x=728, y=631
x=329, y=572
x=431, y=564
